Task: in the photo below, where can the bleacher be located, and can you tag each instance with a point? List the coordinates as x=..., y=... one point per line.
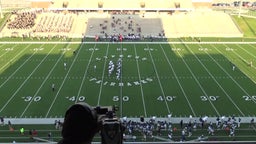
x=123, y=24
x=51, y=22
x=122, y=3
x=46, y=23
x=15, y=4
x=86, y=19
x=200, y=24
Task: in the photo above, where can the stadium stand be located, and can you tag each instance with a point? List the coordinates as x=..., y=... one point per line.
x=22, y=20
x=53, y=23
x=144, y=18
x=121, y=4
x=200, y=24
x=15, y=4
x=196, y=24
x=125, y=25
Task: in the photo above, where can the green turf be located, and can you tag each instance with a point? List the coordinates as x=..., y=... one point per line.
x=157, y=79
x=247, y=25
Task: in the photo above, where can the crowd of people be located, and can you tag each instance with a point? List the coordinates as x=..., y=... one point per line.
x=59, y=22
x=55, y=23
x=48, y=22
x=130, y=26
x=23, y=20
x=152, y=128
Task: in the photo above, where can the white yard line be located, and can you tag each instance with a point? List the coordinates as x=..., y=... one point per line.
x=8, y=63
x=252, y=46
x=45, y=79
x=198, y=83
x=3, y=53
x=223, y=90
x=2, y=46
x=234, y=79
x=85, y=74
x=64, y=80
x=121, y=87
x=102, y=77
x=176, y=77
x=245, y=60
x=24, y=82
x=159, y=82
x=19, y=66
x=141, y=87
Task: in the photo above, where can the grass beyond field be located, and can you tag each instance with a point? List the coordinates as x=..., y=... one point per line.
x=157, y=79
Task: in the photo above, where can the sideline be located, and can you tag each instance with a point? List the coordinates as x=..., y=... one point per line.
x=174, y=120
x=126, y=42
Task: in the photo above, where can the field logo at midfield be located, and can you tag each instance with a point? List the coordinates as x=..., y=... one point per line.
x=116, y=82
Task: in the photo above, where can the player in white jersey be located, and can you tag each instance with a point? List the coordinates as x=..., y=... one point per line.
x=53, y=87
x=65, y=65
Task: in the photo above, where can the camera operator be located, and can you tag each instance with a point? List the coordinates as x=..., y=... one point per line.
x=80, y=125
x=82, y=122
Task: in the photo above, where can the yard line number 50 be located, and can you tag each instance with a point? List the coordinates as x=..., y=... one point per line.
x=124, y=98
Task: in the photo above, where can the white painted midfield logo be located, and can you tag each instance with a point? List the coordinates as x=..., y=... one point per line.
x=120, y=84
x=115, y=66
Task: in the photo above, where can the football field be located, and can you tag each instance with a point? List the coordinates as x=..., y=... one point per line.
x=41, y=80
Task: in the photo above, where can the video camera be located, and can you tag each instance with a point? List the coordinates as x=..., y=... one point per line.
x=111, y=127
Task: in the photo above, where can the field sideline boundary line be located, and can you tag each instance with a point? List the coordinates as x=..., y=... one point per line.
x=175, y=120
x=130, y=42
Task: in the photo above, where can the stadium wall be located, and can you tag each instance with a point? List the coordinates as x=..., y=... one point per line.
x=41, y=4
x=7, y=4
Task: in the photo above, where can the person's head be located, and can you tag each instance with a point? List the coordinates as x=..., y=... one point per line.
x=80, y=124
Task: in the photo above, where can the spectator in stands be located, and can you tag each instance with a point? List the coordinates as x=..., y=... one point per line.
x=55, y=23
x=181, y=124
x=239, y=122
x=49, y=135
x=30, y=134
x=22, y=131
x=23, y=20
x=2, y=120
x=80, y=125
x=34, y=133
x=252, y=123
x=183, y=137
